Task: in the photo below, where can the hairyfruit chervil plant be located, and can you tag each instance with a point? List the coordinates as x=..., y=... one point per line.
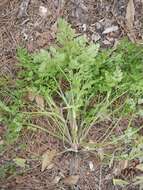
x=74, y=85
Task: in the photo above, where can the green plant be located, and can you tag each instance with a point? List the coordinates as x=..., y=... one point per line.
x=68, y=119
x=6, y=170
x=79, y=84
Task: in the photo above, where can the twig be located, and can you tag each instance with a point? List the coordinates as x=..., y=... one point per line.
x=100, y=178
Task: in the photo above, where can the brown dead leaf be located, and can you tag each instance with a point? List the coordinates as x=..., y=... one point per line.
x=123, y=164
x=71, y=180
x=130, y=14
x=47, y=159
x=40, y=101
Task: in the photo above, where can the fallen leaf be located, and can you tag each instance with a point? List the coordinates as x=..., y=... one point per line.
x=139, y=167
x=71, y=180
x=20, y=162
x=130, y=14
x=40, y=101
x=110, y=29
x=47, y=159
x=123, y=164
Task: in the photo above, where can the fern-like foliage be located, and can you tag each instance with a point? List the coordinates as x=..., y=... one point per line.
x=88, y=76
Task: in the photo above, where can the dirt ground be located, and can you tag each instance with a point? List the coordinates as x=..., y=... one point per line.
x=32, y=24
